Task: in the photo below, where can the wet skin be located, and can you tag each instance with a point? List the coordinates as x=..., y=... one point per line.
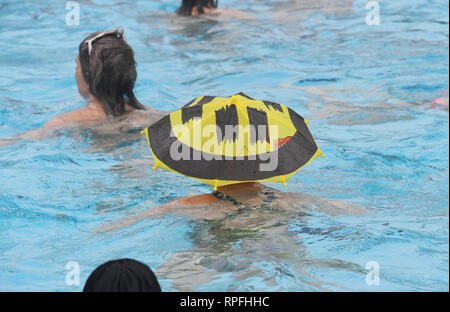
x=232, y=198
x=249, y=214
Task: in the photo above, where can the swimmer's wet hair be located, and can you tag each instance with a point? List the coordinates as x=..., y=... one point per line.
x=123, y=275
x=110, y=71
x=187, y=6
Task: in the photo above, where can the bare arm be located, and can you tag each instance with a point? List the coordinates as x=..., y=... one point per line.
x=61, y=121
x=33, y=134
x=183, y=202
x=329, y=206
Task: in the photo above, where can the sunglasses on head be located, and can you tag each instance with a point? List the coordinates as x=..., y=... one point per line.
x=118, y=33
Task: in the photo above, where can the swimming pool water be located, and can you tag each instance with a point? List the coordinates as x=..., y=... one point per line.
x=367, y=91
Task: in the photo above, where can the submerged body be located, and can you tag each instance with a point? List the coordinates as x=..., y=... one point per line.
x=233, y=198
x=237, y=221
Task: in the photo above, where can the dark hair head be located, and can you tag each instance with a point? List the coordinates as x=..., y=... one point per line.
x=187, y=6
x=124, y=275
x=110, y=71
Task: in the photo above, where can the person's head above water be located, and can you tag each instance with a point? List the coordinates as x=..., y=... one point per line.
x=123, y=275
x=196, y=7
x=106, y=70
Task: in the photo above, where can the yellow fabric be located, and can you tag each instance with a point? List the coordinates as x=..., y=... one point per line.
x=275, y=117
x=197, y=127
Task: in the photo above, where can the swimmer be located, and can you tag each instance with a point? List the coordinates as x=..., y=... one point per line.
x=441, y=102
x=122, y=275
x=105, y=74
x=196, y=7
x=233, y=198
x=252, y=215
x=207, y=7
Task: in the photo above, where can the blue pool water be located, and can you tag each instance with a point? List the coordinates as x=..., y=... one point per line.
x=367, y=91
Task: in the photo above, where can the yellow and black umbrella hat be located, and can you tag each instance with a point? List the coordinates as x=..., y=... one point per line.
x=227, y=140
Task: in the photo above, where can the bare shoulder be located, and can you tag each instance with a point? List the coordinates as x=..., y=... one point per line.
x=55, y=122
x=60, y=120
x=77, y=115
x=196, y=200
